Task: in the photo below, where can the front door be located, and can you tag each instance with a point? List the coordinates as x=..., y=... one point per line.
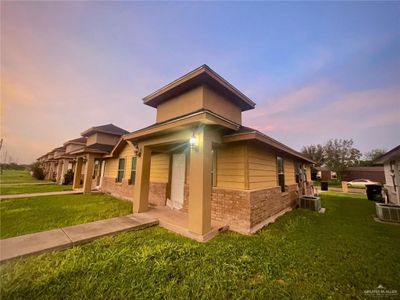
x=177, y=181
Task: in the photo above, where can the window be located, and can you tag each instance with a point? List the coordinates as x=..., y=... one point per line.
x=133, y=170
x=214, y=168
x=281, y=174
x=121, y=169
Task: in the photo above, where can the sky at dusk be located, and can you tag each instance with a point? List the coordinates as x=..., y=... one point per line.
x=316, y=70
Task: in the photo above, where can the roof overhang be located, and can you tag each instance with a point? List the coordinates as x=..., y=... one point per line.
x=202, y=75
x=75, y=142
x=86, y=150
x=393, y=154
x=205, y=117
x=257, y=136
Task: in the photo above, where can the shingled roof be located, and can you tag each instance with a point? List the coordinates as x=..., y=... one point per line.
x=79, y=140
x=247, y=133
x=108, y=128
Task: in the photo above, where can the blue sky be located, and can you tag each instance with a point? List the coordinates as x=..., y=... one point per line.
x=316, y=70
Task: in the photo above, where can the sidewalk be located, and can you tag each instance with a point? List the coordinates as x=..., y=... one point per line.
x=3, y=197
x=63, y=238
x=28, y=183
x=351, y=190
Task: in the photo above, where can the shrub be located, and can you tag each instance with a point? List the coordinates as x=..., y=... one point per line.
x=69, y=177
x=38, y=172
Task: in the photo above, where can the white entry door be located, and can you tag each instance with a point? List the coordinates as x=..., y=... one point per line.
x=177, y=181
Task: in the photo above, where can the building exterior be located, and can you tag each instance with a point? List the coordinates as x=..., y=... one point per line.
x=391, y=164
x=89, y=166
x=199, y=158
x=375, y=173
x=324, y=174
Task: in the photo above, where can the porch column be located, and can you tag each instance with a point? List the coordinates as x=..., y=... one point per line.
x=65, y=163
x=142, y=181
x=200, y=184
x=59, y=171
x=77, y=174
x=89, y=166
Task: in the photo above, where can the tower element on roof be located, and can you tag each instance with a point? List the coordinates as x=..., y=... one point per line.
x=200, y=89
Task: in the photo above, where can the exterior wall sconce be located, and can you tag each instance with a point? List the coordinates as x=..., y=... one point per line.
x=193, y=142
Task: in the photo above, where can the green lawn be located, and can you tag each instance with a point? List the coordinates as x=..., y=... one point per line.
x=21, y=182
x=27, y=215
x=32, y=188
x=331, y=183
x=17, y=176
x=306, y=255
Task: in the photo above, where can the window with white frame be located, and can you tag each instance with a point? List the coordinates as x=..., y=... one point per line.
x=121, y=169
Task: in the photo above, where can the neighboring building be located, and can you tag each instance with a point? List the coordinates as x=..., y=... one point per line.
x=198, y=158
x=66, y=161
x=100, y=140
x=50, y=166
x=351, y=173
x=324, y=174
x=391, y=164
x=372, y=173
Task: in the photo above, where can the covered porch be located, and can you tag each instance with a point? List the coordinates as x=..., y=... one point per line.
x=91, y=164
x=187, y=209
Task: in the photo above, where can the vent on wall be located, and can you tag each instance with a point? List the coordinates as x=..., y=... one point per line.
x=388, y=213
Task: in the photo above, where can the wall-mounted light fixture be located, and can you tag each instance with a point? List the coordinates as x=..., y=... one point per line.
x=193, y=142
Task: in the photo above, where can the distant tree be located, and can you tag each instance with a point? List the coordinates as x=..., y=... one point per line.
x=37, y=171
x=340, y=154
x=369, y=157
x=316, y=153
x=374, y=154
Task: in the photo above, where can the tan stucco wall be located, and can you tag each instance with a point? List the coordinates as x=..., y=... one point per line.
x=107, y=139
x=221, y=106
x=230, y=166
x=72, y=147
x=102, y=138
x=180, y=105
x=195, y=99
x=262, y=167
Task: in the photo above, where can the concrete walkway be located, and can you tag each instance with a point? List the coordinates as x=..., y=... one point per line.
x=339, y=190
x=28, y=183
x=63, y=238
x=3, y=197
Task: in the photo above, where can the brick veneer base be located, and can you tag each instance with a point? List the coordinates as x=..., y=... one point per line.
x=158, y=193
x=123, y=190
x=243, y=210
x=117, y=189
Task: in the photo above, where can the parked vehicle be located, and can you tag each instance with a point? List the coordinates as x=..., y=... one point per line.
x=361, y=183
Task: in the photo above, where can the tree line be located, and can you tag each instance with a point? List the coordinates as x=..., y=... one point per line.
x=339, y=154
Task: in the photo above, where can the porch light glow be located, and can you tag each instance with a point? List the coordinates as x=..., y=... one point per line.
x=193, y=141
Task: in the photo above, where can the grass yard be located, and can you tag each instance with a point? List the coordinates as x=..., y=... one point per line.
x=303, y=255
x=21, y=182
x=17, y=176
x=32, y=188
x=331, y=183
x=28, y=215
